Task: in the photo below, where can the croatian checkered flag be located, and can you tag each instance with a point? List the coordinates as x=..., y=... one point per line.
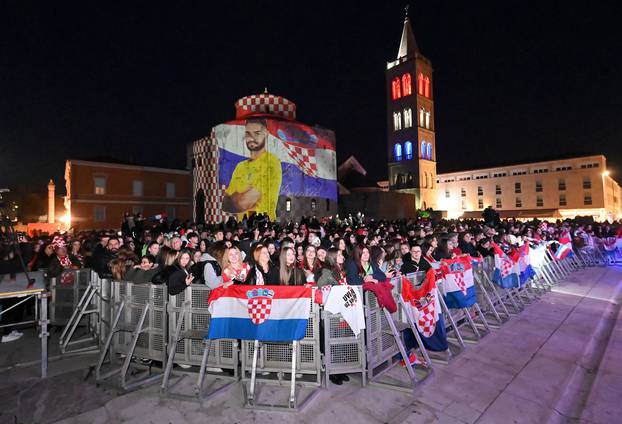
x=304, y=158
x=425, y=309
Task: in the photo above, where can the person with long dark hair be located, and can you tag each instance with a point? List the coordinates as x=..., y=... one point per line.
x=182, y=276
x=289, y=272
x=332, y=272
x=360, y=269
x=263, y=272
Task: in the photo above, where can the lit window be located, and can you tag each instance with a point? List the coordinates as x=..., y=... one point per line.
x=397, y=152
x=420, y=84
x=397, y=121
x=463, y=192
x=313, y=204
x=100, y=185
x=408, y=150
x=539, y=201
x=519, y=202
x=429, y=151
x=421, y=117
x=562, y=200
x=427, y=120
x=587, y=183
x=427, y=87
x=395, y=89
x=517, y=188
x=100, y=213
x=463, y=204
x=447, y=193
x=170, y=190
x=497, y=189
x=137, y=188
x=288, y=205
x=408, y=118
x=406, y=86
x=480, y=191
x=423, y=143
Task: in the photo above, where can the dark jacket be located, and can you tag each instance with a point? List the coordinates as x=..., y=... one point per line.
x=412, y=266
x=355, y=279
x=469, y=249
x=140, y=276
x=101, y=259
x=177, y=281
x=55, y=268
x=162, y=276
x=270, y=278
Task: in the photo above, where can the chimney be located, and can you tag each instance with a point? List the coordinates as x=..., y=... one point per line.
x=51, y=207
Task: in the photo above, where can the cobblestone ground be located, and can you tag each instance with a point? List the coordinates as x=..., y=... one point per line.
x=558, y=361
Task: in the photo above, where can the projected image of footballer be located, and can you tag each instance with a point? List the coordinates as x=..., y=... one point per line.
x=256, y=182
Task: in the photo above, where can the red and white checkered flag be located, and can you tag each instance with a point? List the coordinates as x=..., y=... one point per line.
x=304, y=158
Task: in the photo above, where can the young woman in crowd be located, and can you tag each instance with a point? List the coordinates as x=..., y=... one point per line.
x=309, y=263
x=360, y=269
x=234, y=271
x=331, y=273
x=166, y=267
x=289, y=273
x=125, y=259
x=263, y=273
x=181, y=277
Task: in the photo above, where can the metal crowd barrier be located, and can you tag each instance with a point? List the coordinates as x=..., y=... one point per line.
x=302, y=360
x=344, y=352
x=385, y=344
x=96, y=306
x=139, y=329
x=66, y=291
x=189, y=321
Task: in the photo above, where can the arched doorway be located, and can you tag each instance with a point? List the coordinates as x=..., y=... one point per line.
x=199, y=207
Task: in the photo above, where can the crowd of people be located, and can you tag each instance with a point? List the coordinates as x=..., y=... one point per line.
x=317, y=252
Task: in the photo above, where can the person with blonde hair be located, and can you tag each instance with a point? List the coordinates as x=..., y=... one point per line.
x=234, y=271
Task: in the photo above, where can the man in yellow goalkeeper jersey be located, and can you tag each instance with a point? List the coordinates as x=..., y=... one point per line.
x=255, y=182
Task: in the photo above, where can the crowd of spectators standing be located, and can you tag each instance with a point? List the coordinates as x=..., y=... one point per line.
x=312, y=251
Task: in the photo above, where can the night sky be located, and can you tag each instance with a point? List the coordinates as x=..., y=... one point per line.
x=514, y=80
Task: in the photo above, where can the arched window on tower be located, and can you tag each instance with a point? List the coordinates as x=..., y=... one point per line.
x=408, y=150
x=421, y=117
x=408, y=118
x=427, y=119
x=406, y=86
x=427, y=87
x=397, y=121
x=429, y=151
x=420, y=83
x=397, y=152
x=423, y=149
x=396, y=88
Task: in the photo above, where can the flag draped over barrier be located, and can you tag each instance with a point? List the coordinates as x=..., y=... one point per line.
x=565, y=248
x=265, y=313
x=507, y=271
x=524, y=263
x=458, y=283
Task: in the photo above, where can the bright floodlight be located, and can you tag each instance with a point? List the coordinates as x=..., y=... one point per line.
x=606, y=173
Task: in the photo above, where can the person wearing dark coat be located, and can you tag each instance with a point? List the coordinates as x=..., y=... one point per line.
x=360, y=268
x=263, y=273
x=416, y=263
x=181, y=277
x=102, y=257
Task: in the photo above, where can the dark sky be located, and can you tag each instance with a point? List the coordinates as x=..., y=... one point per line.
x=514, y=80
